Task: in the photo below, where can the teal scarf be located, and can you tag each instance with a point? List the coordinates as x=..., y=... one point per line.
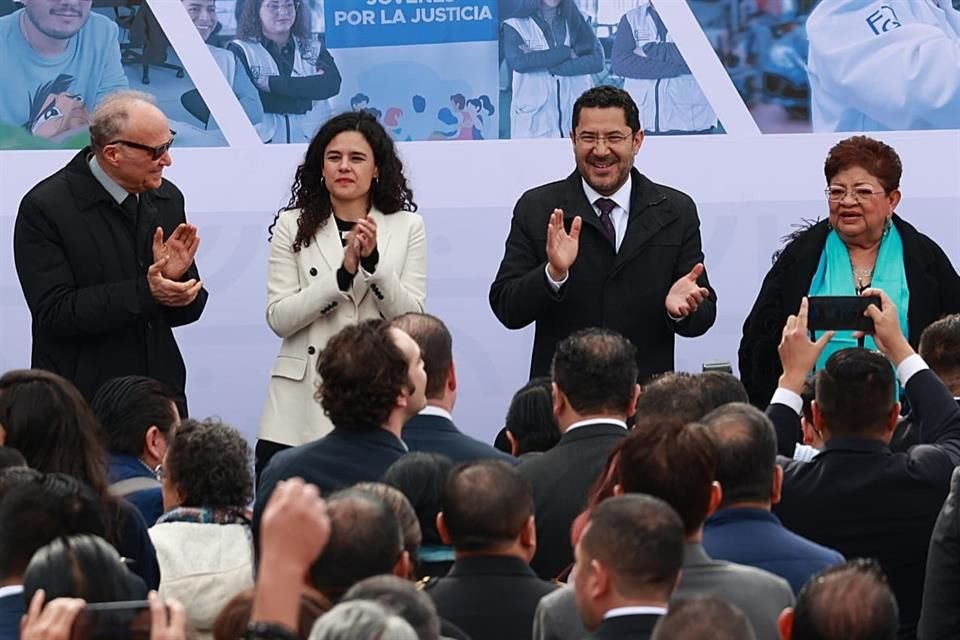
x=834, y=277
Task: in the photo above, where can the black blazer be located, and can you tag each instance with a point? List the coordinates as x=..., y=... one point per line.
x=340, y=459
x=83, y=266
x=940, y=616
x=636, y=627
x=436, y=434
x=934, y=291
x=865, y=501
x=623, y=291
x=490, y=597
x=561, y=479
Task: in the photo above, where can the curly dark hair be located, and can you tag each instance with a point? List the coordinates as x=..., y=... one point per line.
x=362, y=371
x=250, y=27
x=389, y=192
x=209, y=462
x=875, y=157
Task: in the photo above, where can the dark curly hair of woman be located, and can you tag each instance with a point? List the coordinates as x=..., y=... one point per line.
x=250, y=27
x=389, y=192
x=362, y=371
x=209, y=462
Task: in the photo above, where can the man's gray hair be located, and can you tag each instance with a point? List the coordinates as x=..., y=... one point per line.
x=361, y=620
x=112, y=114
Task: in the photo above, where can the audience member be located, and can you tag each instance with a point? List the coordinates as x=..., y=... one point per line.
x=361, y=620
x=677, y=463
x=54, y=620
x=35, y=509
x=51, y=424
x=402, y=598
x=851, y=601
x=487, y=516
x=594, y=392
x=673, y=395
x=845, y=496
x=421, y=477
x=365, y=540
x=743, y=530
x=64, y=568
x=406, y=516
x=232, y=621
x=203, y=539
x=628, y=563
x=373, y=381
x=704, y=618
x=432, y=430
x=940, y=614
x=720, y=388
x=137, y=414
x=530, y=427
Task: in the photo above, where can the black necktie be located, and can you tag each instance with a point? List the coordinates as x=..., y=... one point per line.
x=129, y=205
x=606, y=206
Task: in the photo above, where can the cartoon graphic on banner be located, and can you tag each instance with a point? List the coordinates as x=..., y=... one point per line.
x=69, y=55
x=440, y=86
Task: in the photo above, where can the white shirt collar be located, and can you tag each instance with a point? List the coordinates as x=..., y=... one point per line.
x=621, y=197
x=431, y=410
x=116, y=192
x=11, y=590
x=635, y=611
x=587, y=423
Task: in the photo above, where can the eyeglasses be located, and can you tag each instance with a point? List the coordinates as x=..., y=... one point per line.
x=860, y=194
x=589, y=138
x=155, y=152
x=286, y=7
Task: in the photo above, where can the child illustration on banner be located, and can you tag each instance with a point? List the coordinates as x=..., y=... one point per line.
x=552, y=52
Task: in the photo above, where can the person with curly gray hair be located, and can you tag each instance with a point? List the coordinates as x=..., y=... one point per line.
x=203, y=540
x=361, y=620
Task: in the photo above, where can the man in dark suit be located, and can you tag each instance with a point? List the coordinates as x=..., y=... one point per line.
x=606, y=247
x=104, y=287
x=432, y=430
x=490, y=592
x=851, y=601
x=595, y=390
x=743, y=530
x=857, y=496
x=940, y=615
x=704, y=618
x=628, y=563
x=372, y=382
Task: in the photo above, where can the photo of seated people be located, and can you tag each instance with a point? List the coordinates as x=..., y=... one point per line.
x=72, y=53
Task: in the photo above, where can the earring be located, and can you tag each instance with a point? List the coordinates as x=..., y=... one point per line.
x=887, y=225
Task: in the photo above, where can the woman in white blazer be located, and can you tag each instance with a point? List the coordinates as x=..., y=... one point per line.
x=348, y=247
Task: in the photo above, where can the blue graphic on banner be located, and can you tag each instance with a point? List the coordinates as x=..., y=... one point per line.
x=372, y=23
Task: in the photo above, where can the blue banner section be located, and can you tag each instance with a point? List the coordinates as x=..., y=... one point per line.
x=373, y=23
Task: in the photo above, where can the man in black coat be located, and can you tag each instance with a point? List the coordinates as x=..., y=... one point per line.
x=606, y=247
x=856, y=496
x=432, y=430
x=628, y=564
x=105, y=256
x=487, y=515
x=595, y=390
x=372, y=382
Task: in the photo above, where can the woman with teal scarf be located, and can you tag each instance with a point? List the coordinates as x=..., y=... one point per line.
x=863, y=243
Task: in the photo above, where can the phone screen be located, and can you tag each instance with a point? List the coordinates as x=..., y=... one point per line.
x=103, y=620
x=840, y=312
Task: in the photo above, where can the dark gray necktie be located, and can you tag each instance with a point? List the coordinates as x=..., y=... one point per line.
x=129, y=206
x=606, y=206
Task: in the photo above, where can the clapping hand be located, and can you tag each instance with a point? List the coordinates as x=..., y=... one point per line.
x=686, y=294
x=171, y=293
x=366, y=232
x=179, y=250
x=562, y=247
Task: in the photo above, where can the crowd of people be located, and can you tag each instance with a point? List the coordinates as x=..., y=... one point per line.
x=813, y=499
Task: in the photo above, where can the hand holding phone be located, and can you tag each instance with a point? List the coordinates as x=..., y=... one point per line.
x=842, y=312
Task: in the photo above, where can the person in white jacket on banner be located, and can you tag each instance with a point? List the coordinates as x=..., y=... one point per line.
x=877, y=65
x=657, y=77
x=551, y=52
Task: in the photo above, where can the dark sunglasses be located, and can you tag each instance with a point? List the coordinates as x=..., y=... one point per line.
x=155, y=152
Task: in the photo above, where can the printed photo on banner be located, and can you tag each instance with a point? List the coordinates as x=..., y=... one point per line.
x=64, y=56
x=426, y=70
x=840, y=65
x=554, y=50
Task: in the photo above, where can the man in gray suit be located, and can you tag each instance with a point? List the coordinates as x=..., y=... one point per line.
x=677, y=462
